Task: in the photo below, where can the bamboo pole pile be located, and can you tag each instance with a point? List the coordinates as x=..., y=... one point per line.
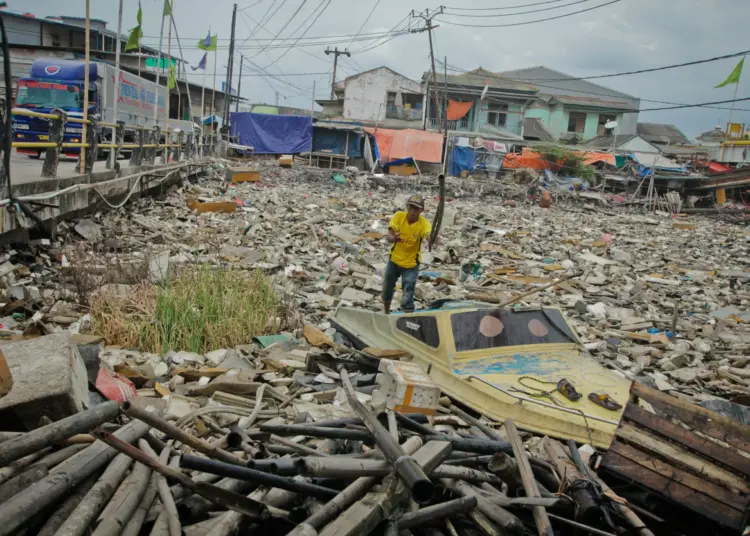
x=131, y=470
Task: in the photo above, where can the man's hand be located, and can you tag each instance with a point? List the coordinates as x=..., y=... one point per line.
x=393, y=237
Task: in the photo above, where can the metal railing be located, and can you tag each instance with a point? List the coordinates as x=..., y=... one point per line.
x=143, y=152
x=458, y=124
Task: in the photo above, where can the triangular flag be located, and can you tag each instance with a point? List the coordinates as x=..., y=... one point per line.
x=172, y=79
x=208, y=44
x=136, y=33
x=201, y=64
x=167, y=9
x=734, y=77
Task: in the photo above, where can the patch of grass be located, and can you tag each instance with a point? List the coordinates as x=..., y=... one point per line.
x=200, y=309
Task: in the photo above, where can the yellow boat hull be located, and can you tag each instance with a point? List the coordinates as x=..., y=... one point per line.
x=506, y=382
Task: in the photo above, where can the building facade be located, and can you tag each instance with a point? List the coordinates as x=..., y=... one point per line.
x=498, y=105
x=379, y=95
x=570, y=107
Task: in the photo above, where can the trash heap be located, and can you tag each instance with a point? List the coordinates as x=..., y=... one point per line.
x=291, y=431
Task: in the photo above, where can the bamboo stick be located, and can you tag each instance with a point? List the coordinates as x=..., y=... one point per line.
x=68, y=506
x=79, y=520
x=505, y=520
x=543, y=526
x=21, y=481
x=175, y=433
x=66, y=476
x=124, y=502
x=46, y=436
x=133, y=527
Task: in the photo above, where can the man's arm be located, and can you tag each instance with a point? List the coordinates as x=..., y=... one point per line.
x=393, y=236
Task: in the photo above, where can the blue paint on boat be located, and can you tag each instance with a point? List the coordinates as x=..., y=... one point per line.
x=520, y=364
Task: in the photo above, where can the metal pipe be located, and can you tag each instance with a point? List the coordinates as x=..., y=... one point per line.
x=317, y=431
x=407, y=468
x=52, y=433
x=175, y=433
x=438, y=511
x=477, y=446
x=196, y=463
x=348, y=496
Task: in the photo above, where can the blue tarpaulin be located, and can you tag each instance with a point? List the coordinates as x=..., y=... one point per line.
x=326, y=139
x=273, y=134
x=462, y=158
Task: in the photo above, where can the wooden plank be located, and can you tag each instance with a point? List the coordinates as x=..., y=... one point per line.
x=689, y=480
x=681, y=457
x=243, y=175
x=221, y=206
x=716, y=452
x=708, y=422
x=679, y=493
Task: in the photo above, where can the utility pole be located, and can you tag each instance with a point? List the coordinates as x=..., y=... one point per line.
x=336, y=53
x=239, y=84
x=277, y=99
x=230, y=65
x=427, y=16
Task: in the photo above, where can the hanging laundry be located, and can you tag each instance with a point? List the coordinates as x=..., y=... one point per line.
x=457, y=109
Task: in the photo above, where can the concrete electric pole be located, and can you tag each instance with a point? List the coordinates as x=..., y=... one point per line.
x=427, y=16
x=336, y=53
x=230, y=65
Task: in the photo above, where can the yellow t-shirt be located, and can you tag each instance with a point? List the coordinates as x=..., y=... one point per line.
x=408, y=252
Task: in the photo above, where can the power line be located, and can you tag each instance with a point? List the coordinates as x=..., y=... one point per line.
x=253, y=5
x=283, y=27
x=303, y=33
x=529, y=21
x=363, y=24
x=499, y=8
x=337, y=36
x=500, y=76
x=653, y=69
x=484, y=15
x=396, y=33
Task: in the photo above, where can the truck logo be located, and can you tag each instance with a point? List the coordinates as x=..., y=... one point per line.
x=52, y=69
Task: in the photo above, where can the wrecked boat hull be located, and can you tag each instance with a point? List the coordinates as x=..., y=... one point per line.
x=488, y=360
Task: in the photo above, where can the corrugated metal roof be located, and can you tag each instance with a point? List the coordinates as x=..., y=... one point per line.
x=593, y=102
x=553, y=82
x=662, y=133
x=605, y=142
x=479, y=77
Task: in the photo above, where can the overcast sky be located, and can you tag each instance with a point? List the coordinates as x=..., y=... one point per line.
x=624, y=36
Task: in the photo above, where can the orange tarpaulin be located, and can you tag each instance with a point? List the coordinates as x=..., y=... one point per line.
x=457, y=109
x=530, y=159
x=407, y=143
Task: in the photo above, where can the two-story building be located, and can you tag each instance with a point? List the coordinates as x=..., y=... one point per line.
x=500, y=111
x=380, y=95
x=570, y=107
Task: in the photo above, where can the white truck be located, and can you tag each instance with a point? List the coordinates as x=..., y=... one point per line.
x=58, y=84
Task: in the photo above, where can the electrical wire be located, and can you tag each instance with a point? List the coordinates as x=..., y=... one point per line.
x=528, y=21
x=327, y=3
x=499, y=8
x=398, y=25
x=365, y=22
x=484, y=15
x=500, y=76
x=282, y=28
x=653, y=69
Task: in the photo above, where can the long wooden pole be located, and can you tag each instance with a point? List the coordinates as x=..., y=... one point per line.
x=86, y=87
x=116, y=85
x=167, y=141
x=158, y=70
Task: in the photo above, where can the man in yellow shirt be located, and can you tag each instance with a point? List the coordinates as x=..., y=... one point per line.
x=406, y=231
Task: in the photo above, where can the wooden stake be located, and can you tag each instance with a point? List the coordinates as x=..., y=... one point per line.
x=543, y=526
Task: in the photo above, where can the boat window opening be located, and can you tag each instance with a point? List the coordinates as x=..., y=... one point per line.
x=494, y=328
x=422, y=328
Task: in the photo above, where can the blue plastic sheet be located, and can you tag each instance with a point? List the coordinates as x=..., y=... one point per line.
x=273, y=134
x=462, y=158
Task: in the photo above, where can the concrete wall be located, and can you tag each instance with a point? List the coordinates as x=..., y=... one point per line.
x=514, y=115
x=592, y=125
x=366, y=95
